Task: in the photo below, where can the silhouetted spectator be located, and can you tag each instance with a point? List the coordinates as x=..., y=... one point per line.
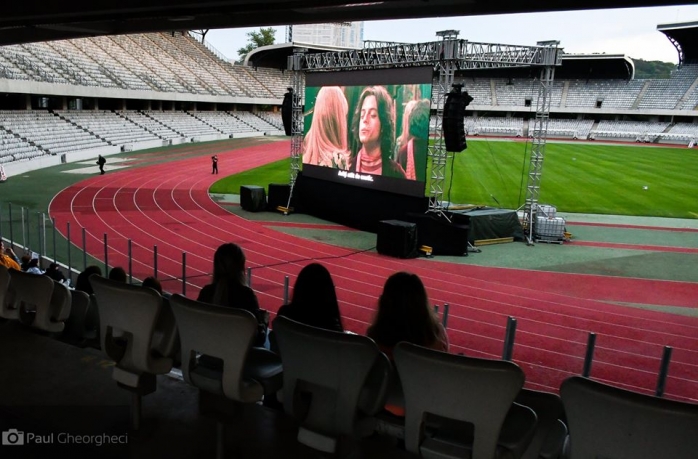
x=118, y=274
x=54, y=273
x=153, y=283
x=314, y=300
x=83, y=281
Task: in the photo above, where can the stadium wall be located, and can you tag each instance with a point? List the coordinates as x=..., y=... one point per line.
x=20, y=167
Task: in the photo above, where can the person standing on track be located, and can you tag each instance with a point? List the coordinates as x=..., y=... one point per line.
x=101, y=162
x=214, y=161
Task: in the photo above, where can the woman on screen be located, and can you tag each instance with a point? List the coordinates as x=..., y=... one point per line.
x=326, y=141
x=412, y=143
x=375, y=128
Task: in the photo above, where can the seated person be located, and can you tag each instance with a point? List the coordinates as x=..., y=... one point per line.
x=33, y=267
x=24, y=262
x=118, y=274
x=152, y=282
x=404, y=314
x=82, y=283
x=8, y=258
x=314, y=300
x=229, y=287
x=54, y=273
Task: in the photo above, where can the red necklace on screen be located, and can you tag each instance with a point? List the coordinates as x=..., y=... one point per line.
x=368, y=164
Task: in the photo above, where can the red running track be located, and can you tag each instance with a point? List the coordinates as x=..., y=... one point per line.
x=168, y=205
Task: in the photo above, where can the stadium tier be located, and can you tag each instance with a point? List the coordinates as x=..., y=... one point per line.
x=143, y=90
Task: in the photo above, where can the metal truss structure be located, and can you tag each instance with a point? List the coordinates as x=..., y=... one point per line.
x=298, y=88
x=540, y=134
x=447, y=57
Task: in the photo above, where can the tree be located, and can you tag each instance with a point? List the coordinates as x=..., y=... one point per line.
x=255, y=39
x=653, y=69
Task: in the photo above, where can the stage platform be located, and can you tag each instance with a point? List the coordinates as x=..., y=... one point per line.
x=488, y=223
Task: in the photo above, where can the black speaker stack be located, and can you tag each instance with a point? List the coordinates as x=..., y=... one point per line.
x=454, y=117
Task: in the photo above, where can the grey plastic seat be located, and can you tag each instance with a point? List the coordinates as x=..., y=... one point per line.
x=456, y=406
x=220, y=333
x=333, y=382
x=32, y=295
x=551, y=430
x=606, y=421
x=74, y=330
x=128, y=315
x=52, y=319
x=76, y=327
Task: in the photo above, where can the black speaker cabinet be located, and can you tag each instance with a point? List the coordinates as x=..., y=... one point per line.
x=253, y=198
x=444, y=237
x=278, y=195
x=397, y=239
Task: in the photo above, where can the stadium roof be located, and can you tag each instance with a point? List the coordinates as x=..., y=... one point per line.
x=684, y=36
x=41, y=20
x=274, y=56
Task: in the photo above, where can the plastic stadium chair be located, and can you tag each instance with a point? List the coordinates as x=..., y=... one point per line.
x=551, y=430
x=606, y=421
x=456, y=406
x=128, y=316
x=32, y=295
x=227, y=334
x=333, y=383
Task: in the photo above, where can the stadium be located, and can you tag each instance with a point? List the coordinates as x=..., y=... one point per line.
x=615, y=303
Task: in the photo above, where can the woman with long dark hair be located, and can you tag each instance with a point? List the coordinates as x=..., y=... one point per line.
x=314, y=300
x=229, y=285
x=404, y=314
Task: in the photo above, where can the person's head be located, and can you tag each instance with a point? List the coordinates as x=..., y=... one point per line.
x=419, y=119
x=52, y=267
x=330, y=116
x=405, y=125
x=404, y=313
x=83, y=281
x=34, y=263
x=328, y=131
x=118, y=274
x=228, y=268
x=153, y=283
x=415, y=121
x=25, y=259
x=314, y=292
x=375, y=120
x=229, y=264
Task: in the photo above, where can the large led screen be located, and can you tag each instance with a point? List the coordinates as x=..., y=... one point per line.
x=369, y=129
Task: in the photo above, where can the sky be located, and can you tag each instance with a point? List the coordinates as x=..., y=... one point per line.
x=632, y=32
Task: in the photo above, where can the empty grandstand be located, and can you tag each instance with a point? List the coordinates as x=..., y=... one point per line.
x=143, y=90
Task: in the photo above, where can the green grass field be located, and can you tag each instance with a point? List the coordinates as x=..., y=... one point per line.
x=585, y=178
